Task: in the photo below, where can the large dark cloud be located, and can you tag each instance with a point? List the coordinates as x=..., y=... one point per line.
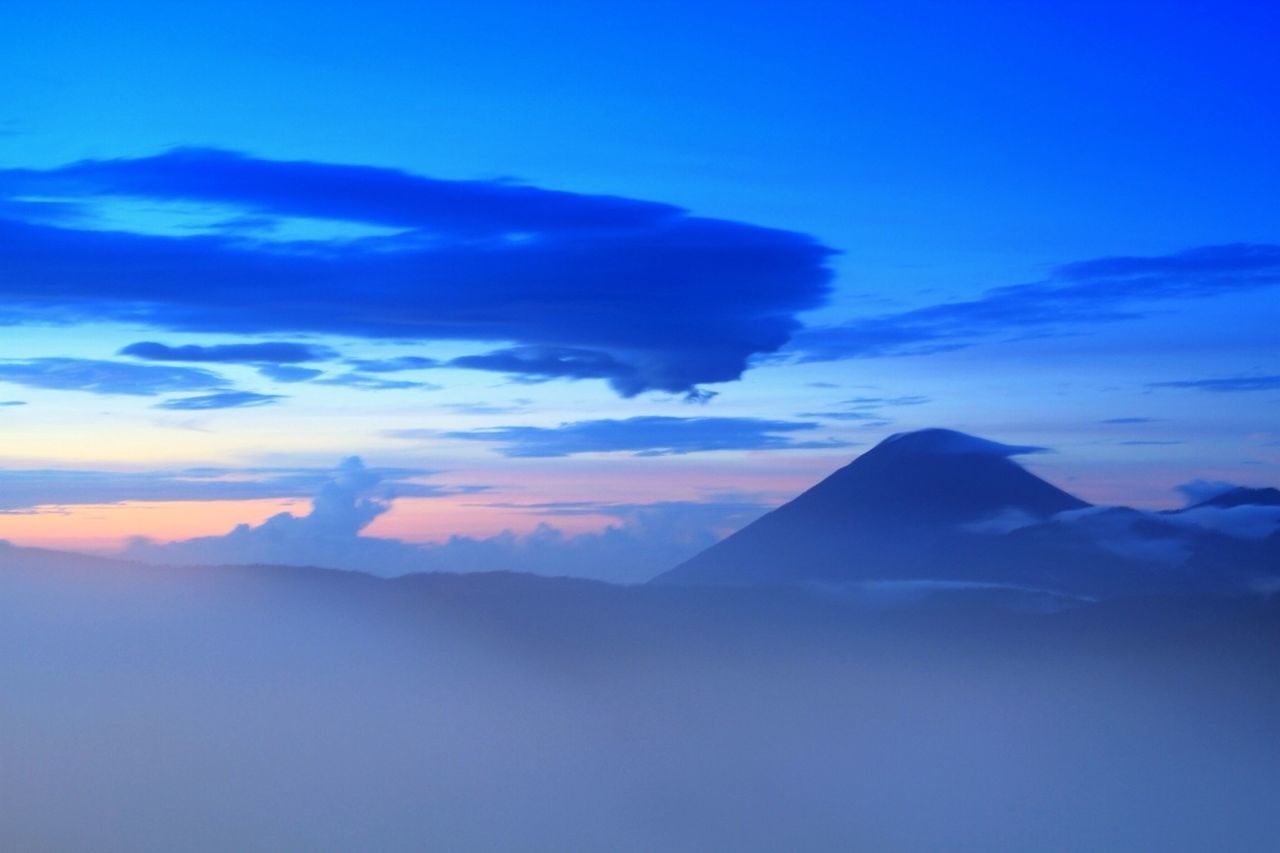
x=643, y=436
x=672, y=299
x=1078, y=294
x=106, y=377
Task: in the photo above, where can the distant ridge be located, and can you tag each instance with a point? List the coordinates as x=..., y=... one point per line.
x=1242, y=496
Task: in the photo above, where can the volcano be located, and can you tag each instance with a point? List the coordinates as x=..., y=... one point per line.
x=942, y=506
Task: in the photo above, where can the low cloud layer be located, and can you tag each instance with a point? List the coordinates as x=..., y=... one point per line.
x=641, y=294
x=644, y=539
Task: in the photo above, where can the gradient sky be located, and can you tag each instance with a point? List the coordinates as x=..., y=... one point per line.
x=655, y=265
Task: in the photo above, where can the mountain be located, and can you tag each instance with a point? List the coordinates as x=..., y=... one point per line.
x=1241, y=496
x=942, y=506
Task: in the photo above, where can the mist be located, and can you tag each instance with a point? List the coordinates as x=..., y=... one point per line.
x=242, y=708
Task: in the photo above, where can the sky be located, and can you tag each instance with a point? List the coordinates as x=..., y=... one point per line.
x=583, y=287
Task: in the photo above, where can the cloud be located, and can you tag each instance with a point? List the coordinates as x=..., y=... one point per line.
x=1230, y=384
x=540, y=363
x=843, y=416
x=106, y=377
x=27, y=489
x=644, y=540
x=374, y=383
x=642, y=436
x=393, y=365
x=1198, y=491
x=1129, y=533
x=515, y=407
x=221, y=400
x=1125, y=421
x=11, y=403
x=1077, y=294
x=1241, y=522
x=949, y=441
x=665, y=299
x=275, y=352
x=345, y=504
x=877, y=402
x=288, y=372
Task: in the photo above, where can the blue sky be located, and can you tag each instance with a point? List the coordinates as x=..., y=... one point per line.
x=498, y=228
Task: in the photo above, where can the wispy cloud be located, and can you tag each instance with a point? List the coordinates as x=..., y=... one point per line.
x=288, y=373
x=220, y=400
x=364, y=382
x=1079, y=294
x=26, y=489
x=393, y=365
x=641, y=436
x=106, y=377
x=1227, y=385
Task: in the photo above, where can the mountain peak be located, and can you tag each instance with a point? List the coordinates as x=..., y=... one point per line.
x=894, y=511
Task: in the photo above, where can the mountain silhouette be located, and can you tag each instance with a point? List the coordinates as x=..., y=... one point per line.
x=1242, y=496
x=942, y=506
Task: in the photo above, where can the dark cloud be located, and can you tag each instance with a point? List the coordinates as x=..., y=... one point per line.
x=540, y=363
x=106, y=377
x=1085, y=293
x=643, y=436
x=274, y=352
x=668, y=300
x=1229, y=384
x=220, y=400
x=29, y=488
